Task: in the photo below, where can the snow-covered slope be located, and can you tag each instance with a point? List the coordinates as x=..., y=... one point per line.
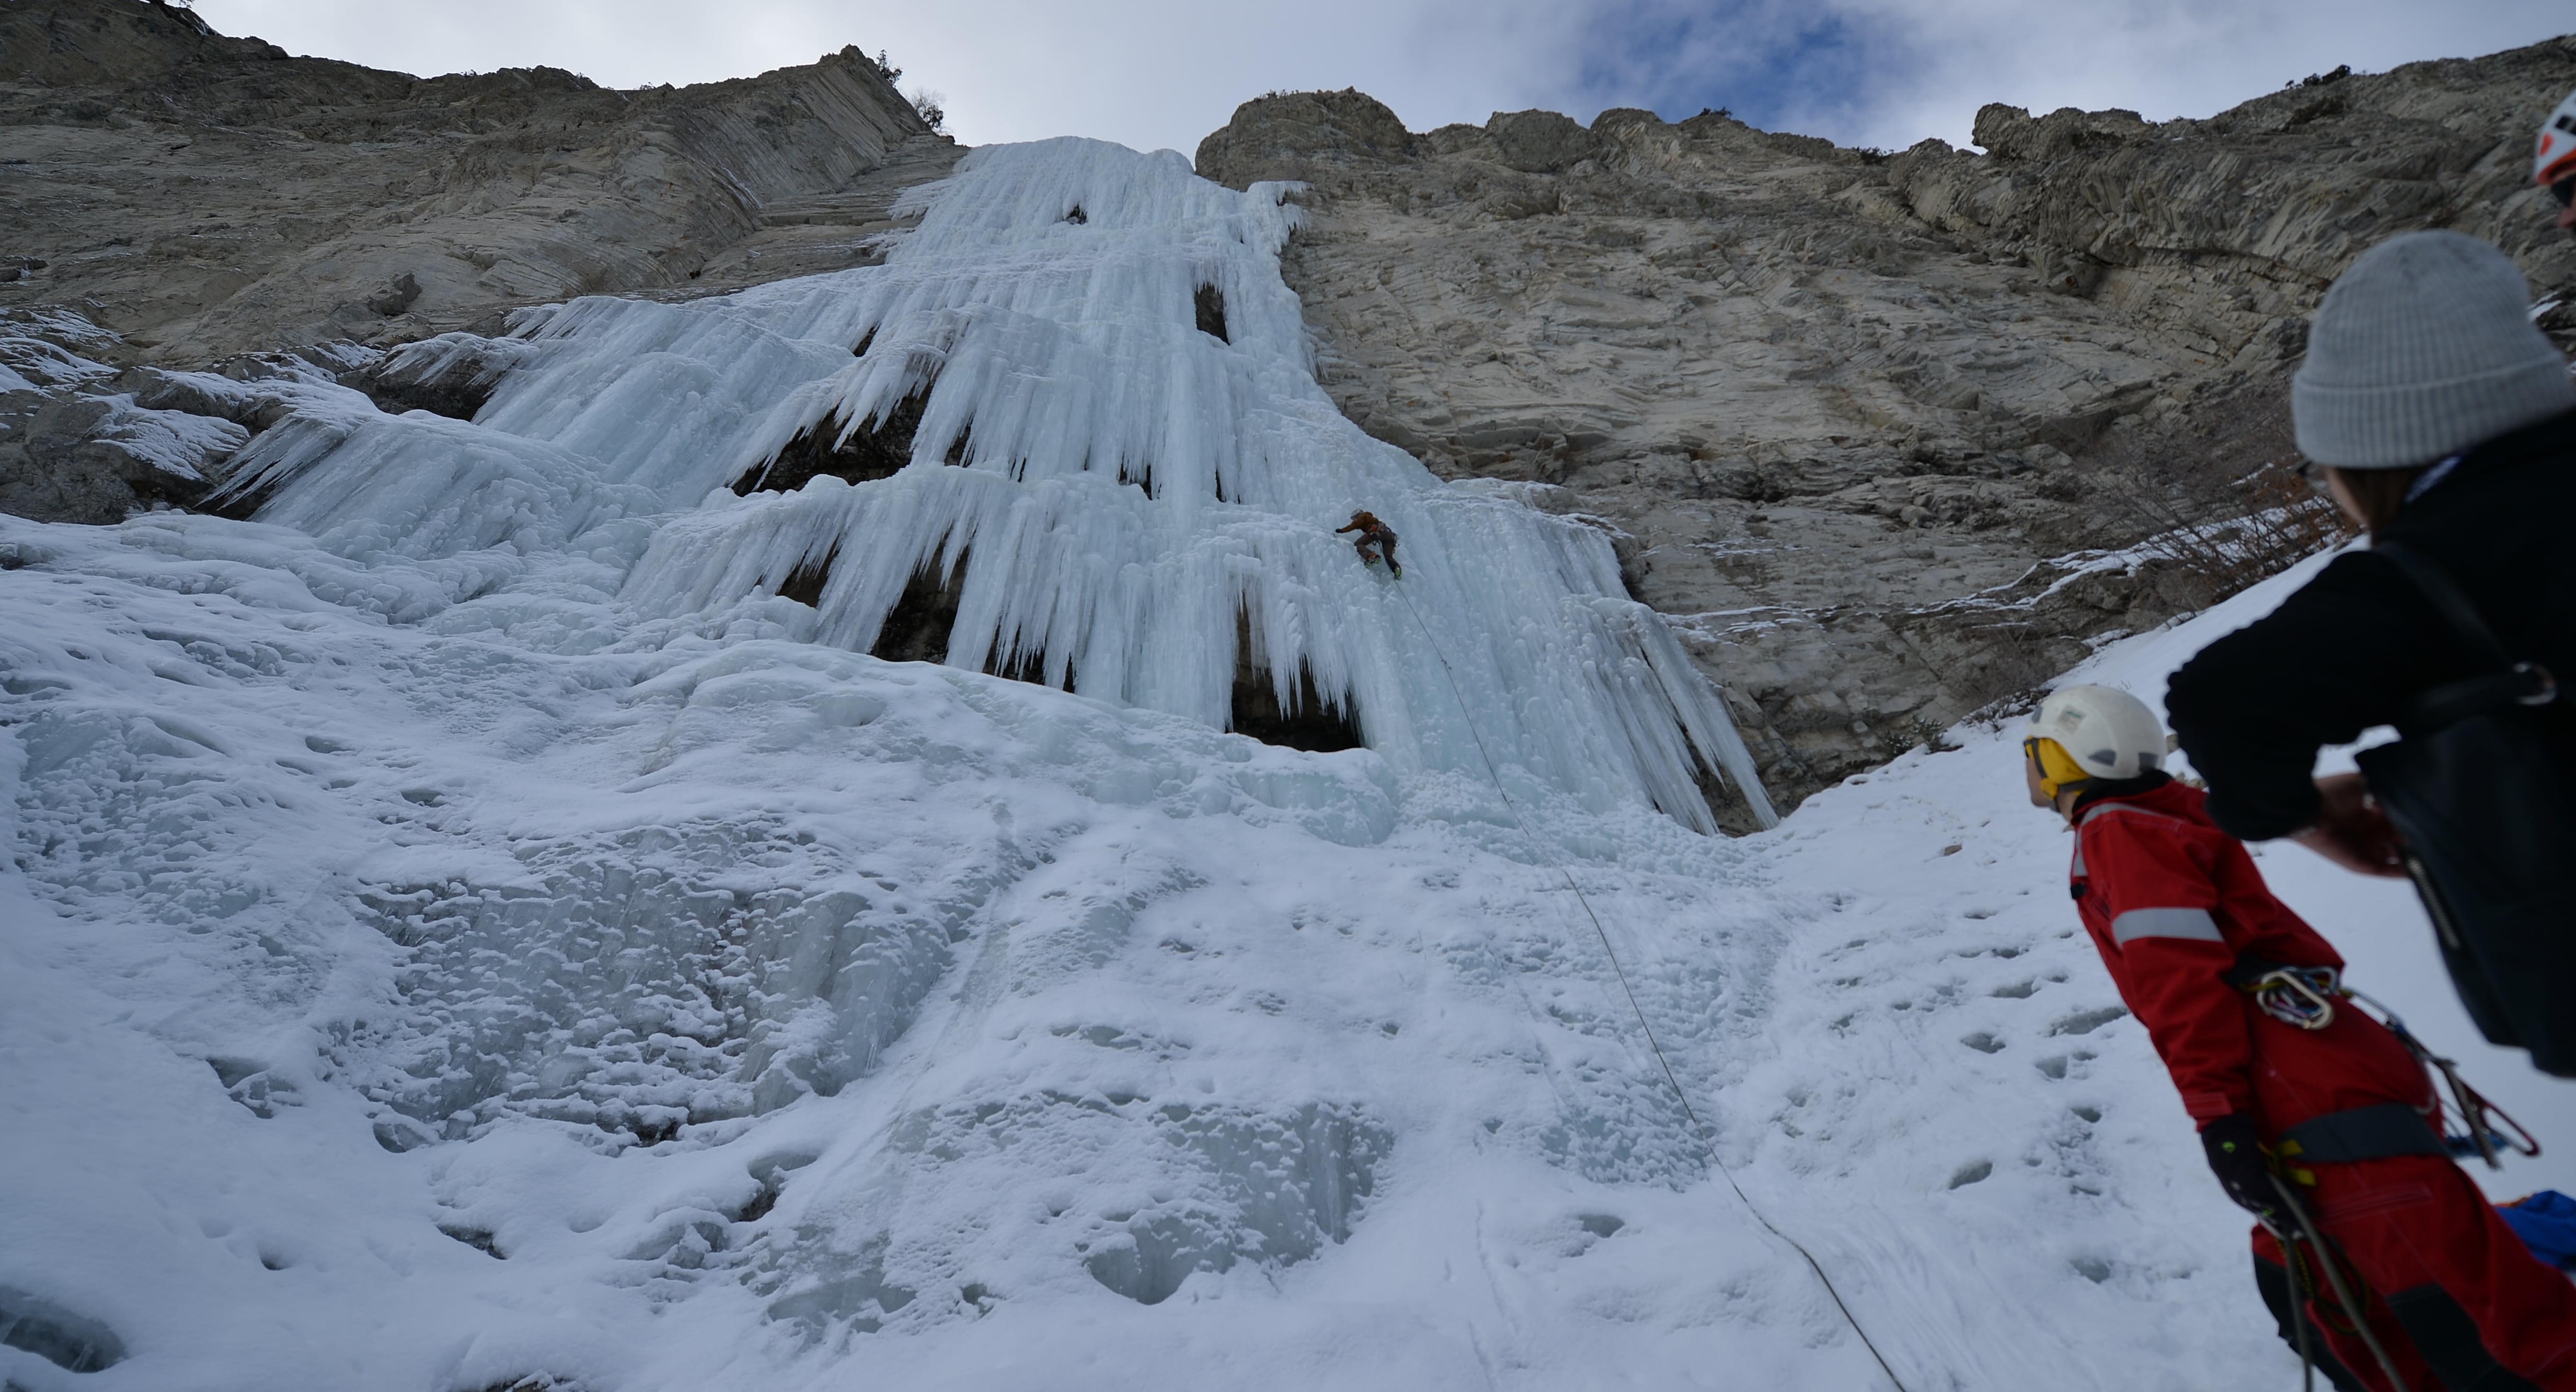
x=465, y=927
x=1966, y=1117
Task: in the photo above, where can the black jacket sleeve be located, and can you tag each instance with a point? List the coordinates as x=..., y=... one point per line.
x=2343, y=654
x=2356, y=644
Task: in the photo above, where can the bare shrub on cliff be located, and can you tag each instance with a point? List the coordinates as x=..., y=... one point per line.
x=2222, y=495
x=932, y=105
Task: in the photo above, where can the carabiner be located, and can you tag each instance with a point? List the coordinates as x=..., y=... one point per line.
x=2301, y=996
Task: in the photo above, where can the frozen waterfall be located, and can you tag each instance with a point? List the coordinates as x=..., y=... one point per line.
x=1119, y=496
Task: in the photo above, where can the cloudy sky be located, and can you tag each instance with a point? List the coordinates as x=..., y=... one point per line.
x=1153, y=73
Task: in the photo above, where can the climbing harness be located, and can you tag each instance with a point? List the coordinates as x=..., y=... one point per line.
x=2377, y=1132
x=1494, y=775
x=2305, y=997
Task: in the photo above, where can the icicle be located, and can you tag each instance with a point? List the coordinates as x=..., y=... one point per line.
x=1121, y=461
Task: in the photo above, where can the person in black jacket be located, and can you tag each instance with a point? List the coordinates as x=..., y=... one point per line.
x=2446, y=425
x=2444, y=420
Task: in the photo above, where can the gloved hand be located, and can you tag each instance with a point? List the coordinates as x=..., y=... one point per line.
x=2244, y=1171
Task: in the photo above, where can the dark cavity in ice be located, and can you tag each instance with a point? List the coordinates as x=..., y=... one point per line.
x=917, y=628
x=1209, y=302
x=873, y=451
x=762, y=1201
x=771, y=1172
x=924, y=619
x=1970, y=1174
x=76, y=1343
x=477, y=1238
x=1309, y=722
x=804, y=584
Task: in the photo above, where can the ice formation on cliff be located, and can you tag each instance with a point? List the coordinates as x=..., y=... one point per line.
x=1129, y=491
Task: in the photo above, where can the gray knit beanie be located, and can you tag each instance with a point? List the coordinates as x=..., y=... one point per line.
x=2424, y=347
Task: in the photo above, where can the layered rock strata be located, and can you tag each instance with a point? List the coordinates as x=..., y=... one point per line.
x=174, y=198
x=203, y=195
x=1828, y=395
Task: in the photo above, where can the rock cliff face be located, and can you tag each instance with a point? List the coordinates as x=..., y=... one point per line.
x=203, y=195
x=173, y=198
x=1829, y=395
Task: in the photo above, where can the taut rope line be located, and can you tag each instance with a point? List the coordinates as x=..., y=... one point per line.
x=1494, y=776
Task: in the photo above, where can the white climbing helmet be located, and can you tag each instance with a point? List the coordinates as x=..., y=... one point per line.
x=2553, y=156
x=2108, y=733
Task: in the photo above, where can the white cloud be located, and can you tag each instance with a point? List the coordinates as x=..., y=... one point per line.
x=1165, y=72
x=2162, y=58
x=1144, y=72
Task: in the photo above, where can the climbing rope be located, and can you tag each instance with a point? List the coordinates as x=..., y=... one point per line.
x=2356, y=1311
x=1680, y=1094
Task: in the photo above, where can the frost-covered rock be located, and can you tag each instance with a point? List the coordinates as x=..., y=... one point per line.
x=450, y=375
x=72, y=457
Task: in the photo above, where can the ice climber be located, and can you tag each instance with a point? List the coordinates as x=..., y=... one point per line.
x=2553, y=161
x=2312, y=1114
x=2447, y=427
x=1374, y=536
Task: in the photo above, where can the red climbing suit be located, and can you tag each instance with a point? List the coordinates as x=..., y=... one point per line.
x=2172, y=903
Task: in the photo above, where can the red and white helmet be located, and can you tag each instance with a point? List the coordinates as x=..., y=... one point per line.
x=2553, y=158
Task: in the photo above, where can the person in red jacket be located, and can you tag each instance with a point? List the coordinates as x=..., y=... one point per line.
x=2308, y=1108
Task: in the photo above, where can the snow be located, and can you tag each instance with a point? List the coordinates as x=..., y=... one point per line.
x=174, y=442
x=29, y=362
x=464, y=926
